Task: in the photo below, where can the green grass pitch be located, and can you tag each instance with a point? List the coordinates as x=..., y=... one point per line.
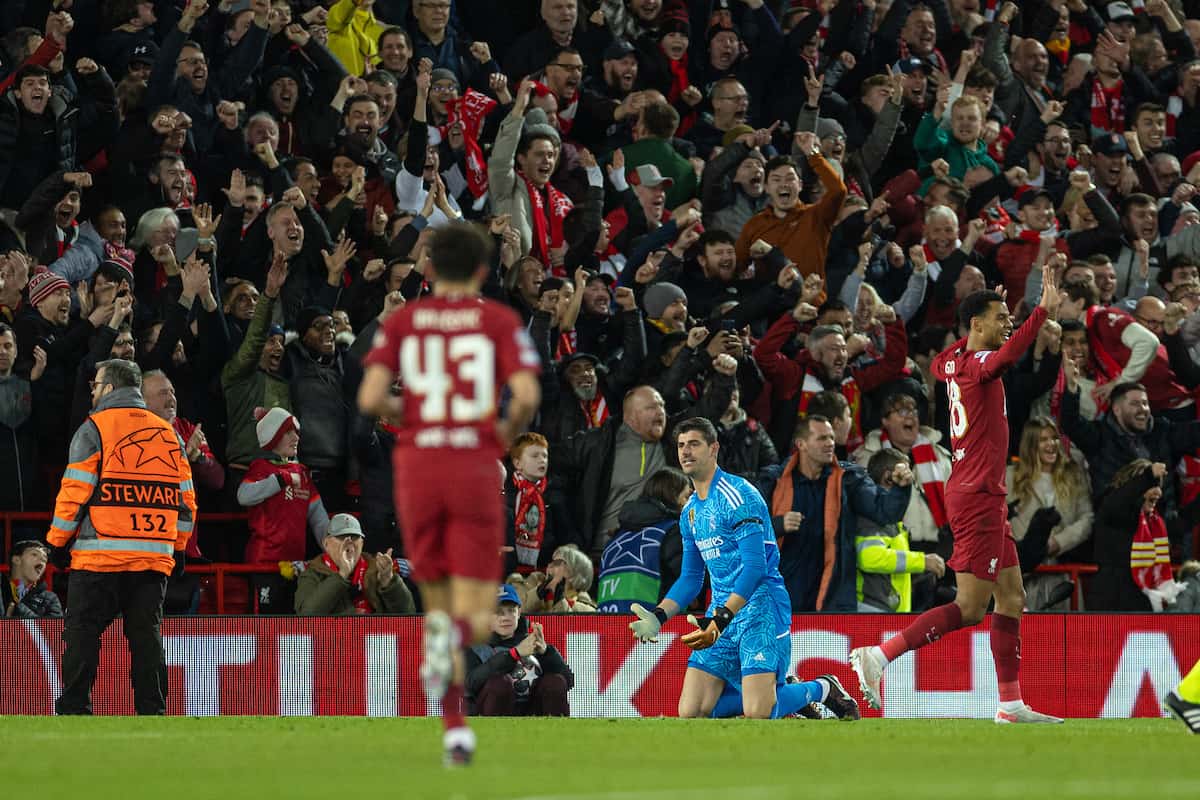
x=586, y=759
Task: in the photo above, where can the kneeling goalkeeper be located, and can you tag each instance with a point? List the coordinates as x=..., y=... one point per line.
x=742, y=646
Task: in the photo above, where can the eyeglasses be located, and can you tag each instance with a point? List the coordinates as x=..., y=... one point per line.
x=93, y=384
x=1059, y=140
x=574, y=68
x=193, y=61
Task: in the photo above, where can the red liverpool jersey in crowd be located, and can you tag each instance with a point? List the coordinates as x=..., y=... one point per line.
x=453, y=356
x=978, y=414
x=1104, y=328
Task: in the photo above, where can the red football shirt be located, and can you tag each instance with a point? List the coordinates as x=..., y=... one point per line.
x=1105, y=326
x=453, y=356
x=978, y=414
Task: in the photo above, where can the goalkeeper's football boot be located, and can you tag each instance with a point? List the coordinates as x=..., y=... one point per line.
x=1185, y=712
x=869, y=672
x=1023, y=715
x=839, y=700
x=437, y=668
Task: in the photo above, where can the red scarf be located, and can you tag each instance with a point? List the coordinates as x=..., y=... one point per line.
x=547, y=233
x=568, y=342
x=596, y=410
x=529, y=522
x=1108, y=106
x=357, y=583
x=1174, y=109
x=929, y=473
x=471, y=110
x=849, y=389
x=932, y=265
x=566, y=109
x=679, y=82
x=1026, y=235
x=63, y=244
x=1150, y=556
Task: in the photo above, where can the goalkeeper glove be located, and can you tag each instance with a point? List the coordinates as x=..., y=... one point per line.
x=708, y=629
x=648, y=623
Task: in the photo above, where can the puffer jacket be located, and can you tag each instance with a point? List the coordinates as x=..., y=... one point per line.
x=39, y=602
x=495, y=658
x=323, y=401
x=23, y=174
x=321, y=591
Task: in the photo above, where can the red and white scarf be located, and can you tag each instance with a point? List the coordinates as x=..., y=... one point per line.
x=849, y=389
x=568, y=343
x=931, y=263
x=1174, y=109
x=1108, y=106
x=596, y=410
x=529, y=522
x=357, y=583
x=1027, y=235
x=567, y=109
x=1150, y=555
x=929, y=473
x=471, y=110
x=547, y=229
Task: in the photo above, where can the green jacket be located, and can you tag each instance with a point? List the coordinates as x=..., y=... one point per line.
x=885, y=568
x=661, y=154
x=322, y=592
x=247, y=387
x=933, y=142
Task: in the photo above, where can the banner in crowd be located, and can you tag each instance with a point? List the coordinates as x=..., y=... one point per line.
x=1087, y=665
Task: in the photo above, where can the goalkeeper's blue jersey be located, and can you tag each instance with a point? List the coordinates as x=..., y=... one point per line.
x=734, y=511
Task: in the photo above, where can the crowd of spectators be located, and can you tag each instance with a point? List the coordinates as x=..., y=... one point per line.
x=762, y=212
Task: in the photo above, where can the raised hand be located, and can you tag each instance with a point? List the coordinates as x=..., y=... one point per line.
x=1050, y=293
x=812, y=288
x=297, y=35
x=276, y=276
x=206, y=226
x=385, y=568
x=626, y=300
x=294, y=197
x=696, y=336
x=39, y=363
x=335, y=262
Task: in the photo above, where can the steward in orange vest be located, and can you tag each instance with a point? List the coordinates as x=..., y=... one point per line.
x=127, y=502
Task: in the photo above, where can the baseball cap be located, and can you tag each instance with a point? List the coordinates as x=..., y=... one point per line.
x=145, y=52
x=603, y=277
x=1033, y=195
x=1117, y=12
x=508, y=594
x=618, y=50
x=578, y=355
x=911, y=64
x=1112, y=144
x=648, y=175
x=344, y=525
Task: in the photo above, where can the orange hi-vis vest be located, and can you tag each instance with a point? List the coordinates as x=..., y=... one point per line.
x=128, y=501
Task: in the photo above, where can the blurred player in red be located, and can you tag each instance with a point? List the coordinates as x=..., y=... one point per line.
x=454, y=354
x=985, y=556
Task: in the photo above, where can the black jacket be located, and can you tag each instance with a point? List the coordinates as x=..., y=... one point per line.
x=499, y=661
x=323, y=401
x=26, y=163
x=585, y=460
x=746, y=450
x=1108, y=446
x=20, y=489
x=38, y=602
x=65, y=345
x=1112, y=588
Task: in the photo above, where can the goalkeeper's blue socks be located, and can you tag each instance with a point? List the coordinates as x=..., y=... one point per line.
x=789, y=698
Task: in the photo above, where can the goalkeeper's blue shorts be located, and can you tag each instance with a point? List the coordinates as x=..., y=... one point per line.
x=747, y=650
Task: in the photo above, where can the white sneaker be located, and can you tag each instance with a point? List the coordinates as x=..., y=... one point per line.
x=437, y=668
x=458, y=747
x=1025, y=714
x=869, y=672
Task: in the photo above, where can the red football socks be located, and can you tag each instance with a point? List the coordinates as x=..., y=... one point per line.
x=926, y=629
x=453, y=713
x=1006, y=652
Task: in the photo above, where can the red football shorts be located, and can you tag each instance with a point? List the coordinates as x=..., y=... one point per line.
x=450, y=511
x=983, y=543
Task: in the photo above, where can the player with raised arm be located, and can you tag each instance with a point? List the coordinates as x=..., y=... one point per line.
x=454, y=354
x=743, y=643
x=985, y=555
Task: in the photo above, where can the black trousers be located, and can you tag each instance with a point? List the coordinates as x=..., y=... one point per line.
x=96, y=599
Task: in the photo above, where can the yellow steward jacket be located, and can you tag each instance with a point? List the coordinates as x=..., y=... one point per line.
x=126, y=497
x=885, y=568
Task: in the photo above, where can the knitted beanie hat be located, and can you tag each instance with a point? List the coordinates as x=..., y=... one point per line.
x=43, y=284
x=659, y=296
x=272, y=425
